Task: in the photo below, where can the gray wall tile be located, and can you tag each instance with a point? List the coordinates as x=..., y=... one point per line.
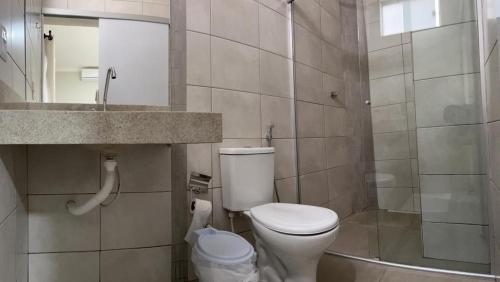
x=63, y=267
x=494, y=151
x=307, y=47
x=451, y=150
x=336, y=121
x=393, y=173
x=386, y=62
x=199, y=99
x=236, y=20
x=308, y=14
x=331, y=30
x=8, y=249
x=234, y=65
x=280, y=113
x=311, y=155
x=338, y=151
x=53, y=229
x=274, y=32
x=287, y=189
x=398, y=199
x=276, y=75
x=448, y=100
x=454, y=198
x=151, y=264
x=46, y=164
x=308, y=82
x=284, y=158
x=391, y=146
x=388, y=90
x=331, y=60
x=446, y=50
x=492, y=74
x=314, y=188
x=456, y=242
x=124, y=223
x=198, y=15
x=198, y=58
x=389, y=118
x=377, y=41
x=240, y=113
x=310, y=120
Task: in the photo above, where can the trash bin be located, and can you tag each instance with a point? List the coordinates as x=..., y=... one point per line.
x=220, y=256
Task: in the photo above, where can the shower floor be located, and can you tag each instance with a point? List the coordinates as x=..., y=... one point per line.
x=392, y=237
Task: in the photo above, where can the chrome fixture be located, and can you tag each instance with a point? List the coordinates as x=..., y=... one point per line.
x=198, y=183
x=368, y=102
x=269, y=135
x=110, y=74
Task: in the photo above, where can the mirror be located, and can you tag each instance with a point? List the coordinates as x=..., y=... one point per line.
x=78, y=54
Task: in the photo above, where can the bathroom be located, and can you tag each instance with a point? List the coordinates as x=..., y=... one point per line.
x=383, y=117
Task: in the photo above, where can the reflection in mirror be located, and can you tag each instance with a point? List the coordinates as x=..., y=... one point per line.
x=71, y=60
x=79, y=52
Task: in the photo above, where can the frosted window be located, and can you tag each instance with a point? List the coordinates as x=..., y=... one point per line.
x=399, y=16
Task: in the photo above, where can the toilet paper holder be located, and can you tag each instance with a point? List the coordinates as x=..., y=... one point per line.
x=198, y=183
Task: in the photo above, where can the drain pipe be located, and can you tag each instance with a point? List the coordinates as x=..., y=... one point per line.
x=110, y=166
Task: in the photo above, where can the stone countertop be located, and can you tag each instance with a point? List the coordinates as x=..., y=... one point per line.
x=122, y=126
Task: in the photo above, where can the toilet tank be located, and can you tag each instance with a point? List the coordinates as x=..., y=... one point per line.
x=247, y=176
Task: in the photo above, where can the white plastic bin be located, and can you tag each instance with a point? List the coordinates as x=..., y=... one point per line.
x=220, y=256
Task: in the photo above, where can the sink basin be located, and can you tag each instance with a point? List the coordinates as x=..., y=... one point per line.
x=79, y=124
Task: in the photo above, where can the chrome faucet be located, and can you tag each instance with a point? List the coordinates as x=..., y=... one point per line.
x=110, y=74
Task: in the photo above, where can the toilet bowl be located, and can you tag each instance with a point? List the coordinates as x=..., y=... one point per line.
x=290, y=240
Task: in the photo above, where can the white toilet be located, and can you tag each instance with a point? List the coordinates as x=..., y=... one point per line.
x=290, y=238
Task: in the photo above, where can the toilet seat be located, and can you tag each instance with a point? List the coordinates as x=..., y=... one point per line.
x=223, y=247
x=295, y=219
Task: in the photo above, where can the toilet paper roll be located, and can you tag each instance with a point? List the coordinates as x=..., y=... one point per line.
x=201, y=210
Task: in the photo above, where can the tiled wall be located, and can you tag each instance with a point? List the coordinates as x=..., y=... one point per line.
x=393, y=115
x=156, y=8
x=329, y=105
x=129, y=240
x=491, y=34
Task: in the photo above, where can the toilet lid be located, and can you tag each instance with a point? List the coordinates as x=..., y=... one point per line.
x=224, y=248
x=295, y=219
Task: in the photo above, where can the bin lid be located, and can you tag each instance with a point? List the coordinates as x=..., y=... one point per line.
x=224, y=247
x=295, y=219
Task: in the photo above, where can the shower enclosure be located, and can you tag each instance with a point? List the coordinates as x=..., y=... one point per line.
x=391, y=126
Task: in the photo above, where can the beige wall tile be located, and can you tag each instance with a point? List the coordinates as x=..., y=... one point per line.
x=331, y=30
x=389, y=118
x=240, y=113
x=310, y=120
x=198, y=15
x=276, y=75
x=8, y=248
x=199, y=99
x=236, y=20
x=53, y=229
x=388, y=90
x=75, y=168
x=59, y=4
x=456, y=45
x=307, y=47
x=314, y=188
x=451, y=150
x=332, y=60
x=308, y=14
x=235, y=66
x=92, y=5
x=335, y=85
x=492, y=73
x=198, y=59
x=156, y=9
x=124, y=7
x=391, y=146
x=62, y=267
x=144, y=168
x=199, y=159
x=340, y=181
x=398, y=199
x=124, y=222
x=284, y=164
x=338, y=151
x=466, y=202
x=494, y=152
x=448, y=100
x=309, y=84
x=274, y=32
x=8, y=193
x=287, y=190
x=280, y=113
x=331, y=6
x=460, y=242
x=393, y=173
x=336, y=121
x=386, y=62
x=279, y=6
x=311, y=155
x=152, y=264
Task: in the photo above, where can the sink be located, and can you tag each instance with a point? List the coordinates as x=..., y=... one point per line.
x=35, y=123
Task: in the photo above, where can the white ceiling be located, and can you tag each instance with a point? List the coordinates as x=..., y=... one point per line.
x=76, y=46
